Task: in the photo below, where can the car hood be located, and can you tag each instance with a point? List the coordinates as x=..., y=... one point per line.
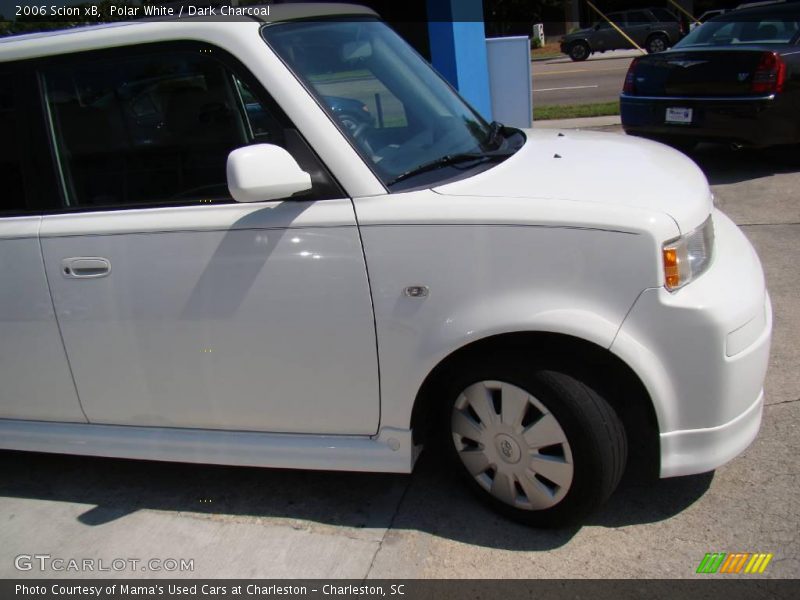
x=597, y=168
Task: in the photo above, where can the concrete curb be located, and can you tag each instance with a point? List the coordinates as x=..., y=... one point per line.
x=546, y=58
x=606, y=121
x=608, y=55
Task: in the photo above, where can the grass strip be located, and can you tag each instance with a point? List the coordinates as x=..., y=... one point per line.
x=575, y=111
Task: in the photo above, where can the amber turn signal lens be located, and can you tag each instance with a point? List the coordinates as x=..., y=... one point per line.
x=688, y=256
x=672, y=270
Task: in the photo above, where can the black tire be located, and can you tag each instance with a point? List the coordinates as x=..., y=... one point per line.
x=786, y=154
x=579, y=51
x=596, y=441
x=657, y=43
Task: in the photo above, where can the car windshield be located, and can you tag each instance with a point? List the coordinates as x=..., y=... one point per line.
x=727, y=30
x=401, y=116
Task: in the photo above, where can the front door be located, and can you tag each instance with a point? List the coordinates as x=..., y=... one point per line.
x=179, y=307
x=36, y=380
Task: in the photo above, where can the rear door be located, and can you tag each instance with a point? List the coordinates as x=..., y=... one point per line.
x=639, y=25
x=35, y=375
x=178, y=306
x=606, y=37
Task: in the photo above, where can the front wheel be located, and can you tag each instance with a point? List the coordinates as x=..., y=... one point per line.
x=537, y=445
x=579, y=51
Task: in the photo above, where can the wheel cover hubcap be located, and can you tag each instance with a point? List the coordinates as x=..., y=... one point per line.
x=512, y=445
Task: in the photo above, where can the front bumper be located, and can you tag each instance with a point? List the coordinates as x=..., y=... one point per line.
x=702, y=353
x=757, y=121
x=701, y=450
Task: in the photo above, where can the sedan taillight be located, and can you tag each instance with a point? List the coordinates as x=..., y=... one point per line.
x=629, y=87
x=770, y=74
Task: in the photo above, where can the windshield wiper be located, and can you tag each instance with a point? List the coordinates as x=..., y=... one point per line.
x=496, y=134
x=450, y=160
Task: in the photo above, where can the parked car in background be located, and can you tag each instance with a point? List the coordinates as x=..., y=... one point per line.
x=654, y=29
x=709, y=14
x=735, y=79
x=203, y=261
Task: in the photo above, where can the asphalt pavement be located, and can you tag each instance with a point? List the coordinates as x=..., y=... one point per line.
x=245, y=522
x=597, y=79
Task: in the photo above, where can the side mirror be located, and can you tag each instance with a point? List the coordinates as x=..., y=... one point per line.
x=264, y=172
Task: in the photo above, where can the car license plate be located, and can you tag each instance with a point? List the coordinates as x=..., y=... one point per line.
x=679, y=115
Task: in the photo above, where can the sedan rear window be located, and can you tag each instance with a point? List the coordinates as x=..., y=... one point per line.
x=724, y=32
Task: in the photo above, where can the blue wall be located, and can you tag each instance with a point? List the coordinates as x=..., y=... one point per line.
x=458, y=49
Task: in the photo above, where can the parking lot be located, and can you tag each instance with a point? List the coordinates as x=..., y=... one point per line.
x=244, y=522
x=598, y=79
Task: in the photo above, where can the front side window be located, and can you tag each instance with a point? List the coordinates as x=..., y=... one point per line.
x=152, y=129
x=616, y=18
x=403, y=118
x=12, y=197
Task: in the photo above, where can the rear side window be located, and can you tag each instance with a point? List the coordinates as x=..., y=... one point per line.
x=12, y=195
x=637, y=17
x=152, y=129
x=662, y=14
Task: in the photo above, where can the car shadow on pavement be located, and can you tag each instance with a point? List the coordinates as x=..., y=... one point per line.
x=438, y=503
x=723, y=164
x=431, y=500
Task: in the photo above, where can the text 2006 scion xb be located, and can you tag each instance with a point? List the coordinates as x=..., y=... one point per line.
x=206, y=257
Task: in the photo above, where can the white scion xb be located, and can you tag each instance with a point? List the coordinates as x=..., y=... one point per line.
x=287, y=242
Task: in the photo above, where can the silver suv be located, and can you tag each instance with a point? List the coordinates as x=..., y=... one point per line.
x=654, y=29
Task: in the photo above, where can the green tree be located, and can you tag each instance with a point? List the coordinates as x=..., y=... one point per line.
x=513, y=17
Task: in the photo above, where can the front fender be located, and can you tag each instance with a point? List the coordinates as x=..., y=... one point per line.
x=486, y=281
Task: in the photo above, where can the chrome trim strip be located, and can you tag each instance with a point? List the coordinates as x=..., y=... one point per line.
x=699, y=98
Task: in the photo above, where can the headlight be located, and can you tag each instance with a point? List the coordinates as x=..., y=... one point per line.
x=688, y=256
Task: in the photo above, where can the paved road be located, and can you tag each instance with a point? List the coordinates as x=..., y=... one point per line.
x=241, y=522
x=598, y=79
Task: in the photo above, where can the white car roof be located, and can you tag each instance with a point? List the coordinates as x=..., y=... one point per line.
x=88, y=37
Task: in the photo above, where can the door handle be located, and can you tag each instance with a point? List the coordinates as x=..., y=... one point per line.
x=85, y=267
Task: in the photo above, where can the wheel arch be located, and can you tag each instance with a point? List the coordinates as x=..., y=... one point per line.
x=581, y=40
x=659, y=33
x=613, y=378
